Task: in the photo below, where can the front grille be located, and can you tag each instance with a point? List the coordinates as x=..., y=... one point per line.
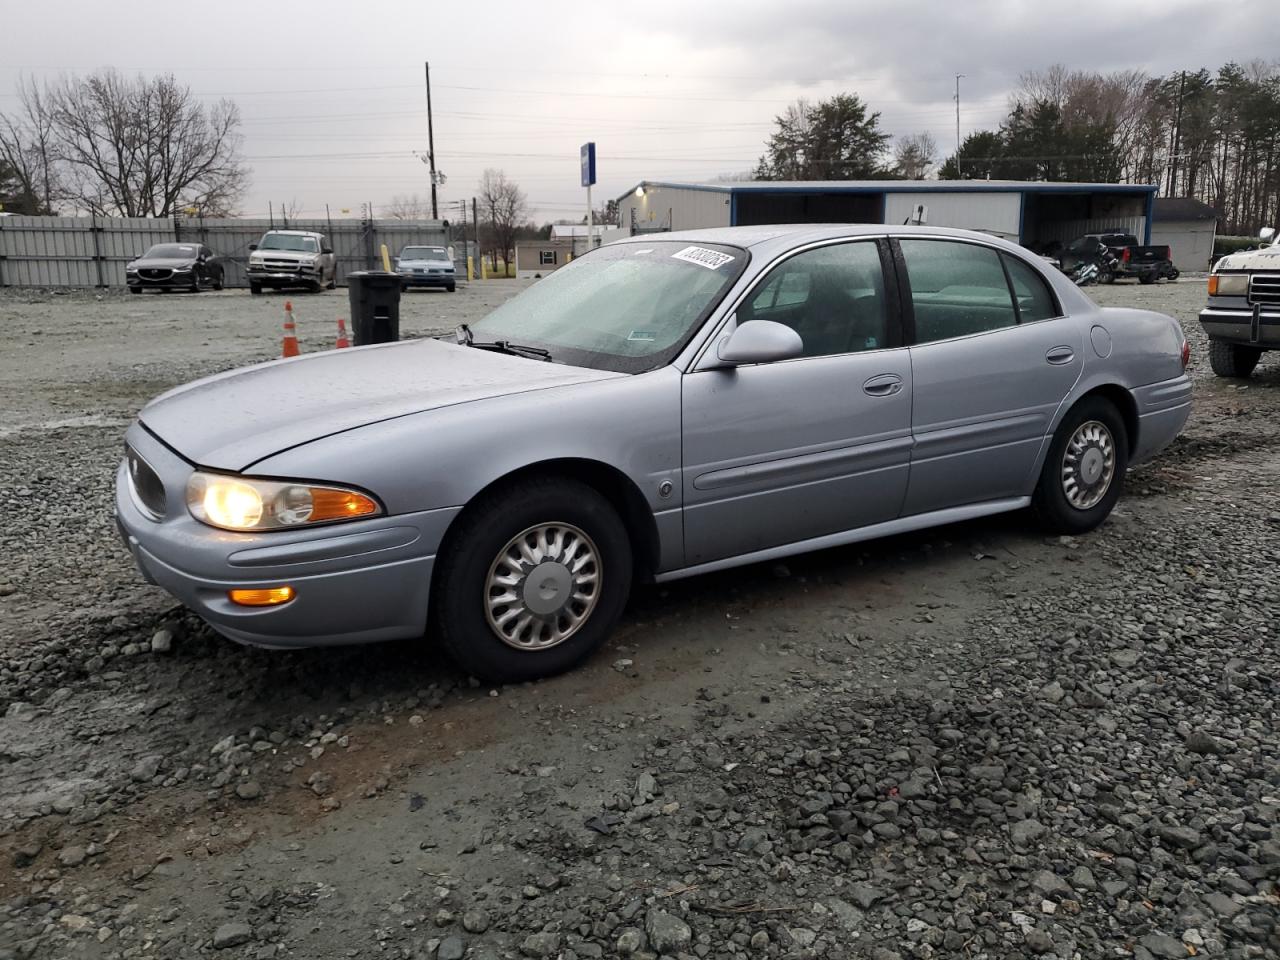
x=145, y=483
x=281, y=266
x=155, y=273
x=1264, y=288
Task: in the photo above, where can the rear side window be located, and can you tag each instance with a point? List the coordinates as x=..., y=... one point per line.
x=957, y=289
x=1035, y=301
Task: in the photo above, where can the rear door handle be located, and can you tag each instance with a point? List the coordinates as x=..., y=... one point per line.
x=885, y=385
x=1060, y=355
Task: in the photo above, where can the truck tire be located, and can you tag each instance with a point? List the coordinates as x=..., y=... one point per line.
x=255, y=288
x=1147, y=278
x=1233, y=359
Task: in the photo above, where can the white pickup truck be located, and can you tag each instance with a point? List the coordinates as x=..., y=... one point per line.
x=1242, y=317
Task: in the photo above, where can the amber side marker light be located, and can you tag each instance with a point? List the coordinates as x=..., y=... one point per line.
x=1213, y=284
x=262, y=597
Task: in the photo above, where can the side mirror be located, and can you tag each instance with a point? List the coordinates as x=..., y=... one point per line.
x=253, y=246
x=1266, y=233
x=760, y=341
x=326, y=249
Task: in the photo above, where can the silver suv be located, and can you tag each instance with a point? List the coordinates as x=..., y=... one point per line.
x=292, y=258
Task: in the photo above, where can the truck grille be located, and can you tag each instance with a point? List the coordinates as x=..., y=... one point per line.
x=281, y=266
x=1264, y=288
x=146, y=484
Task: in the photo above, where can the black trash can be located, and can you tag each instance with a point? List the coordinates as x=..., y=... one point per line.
x=375, y=306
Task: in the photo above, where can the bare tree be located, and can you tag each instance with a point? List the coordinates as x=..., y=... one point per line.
x=144, y=147
x=914, y=156
x=406, y=207
x=503, y=208
x=26, y=149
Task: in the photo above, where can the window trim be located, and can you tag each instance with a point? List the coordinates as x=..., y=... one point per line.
x=547, y=263
x=908, y=304
x=894, y=313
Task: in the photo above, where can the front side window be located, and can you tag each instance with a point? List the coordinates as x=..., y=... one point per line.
x=832, y=296
x=957, y=289
x=628, y=307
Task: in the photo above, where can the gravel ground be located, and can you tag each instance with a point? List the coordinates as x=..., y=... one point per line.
x=970, y=742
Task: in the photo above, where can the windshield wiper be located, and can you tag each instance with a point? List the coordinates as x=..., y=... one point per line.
x=463, y=335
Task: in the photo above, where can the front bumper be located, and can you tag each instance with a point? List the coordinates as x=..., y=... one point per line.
x=281, y=275
x=1254, y=326
x=428, y=279
x=355, y=582
x=178, y=281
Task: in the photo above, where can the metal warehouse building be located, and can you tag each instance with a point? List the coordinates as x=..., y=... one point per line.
x=1031, y=213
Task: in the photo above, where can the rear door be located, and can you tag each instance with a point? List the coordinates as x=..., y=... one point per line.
x=992, y=359
x=782, y=452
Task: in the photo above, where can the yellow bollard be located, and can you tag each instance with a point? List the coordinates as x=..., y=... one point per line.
x=471, y=270
x=386, y=259
x=484, y=269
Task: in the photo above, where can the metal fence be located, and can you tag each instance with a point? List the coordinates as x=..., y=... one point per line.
x=93, y=251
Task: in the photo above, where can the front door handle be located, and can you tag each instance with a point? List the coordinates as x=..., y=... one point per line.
x=1060, y=355
x=885, y=385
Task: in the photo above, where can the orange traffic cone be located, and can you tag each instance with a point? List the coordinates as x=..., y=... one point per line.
x=290, y=332
x=343, y=342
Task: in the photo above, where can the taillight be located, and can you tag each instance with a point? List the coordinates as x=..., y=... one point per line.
x=1186, y=354
x=1168, y=253
x=1124, y=255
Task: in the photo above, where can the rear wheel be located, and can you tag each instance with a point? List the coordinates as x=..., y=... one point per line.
x=1083, y=473
x=532, y=580
x=1233, y=359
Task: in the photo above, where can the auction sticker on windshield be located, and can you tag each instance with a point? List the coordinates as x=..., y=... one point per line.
x=711, y=259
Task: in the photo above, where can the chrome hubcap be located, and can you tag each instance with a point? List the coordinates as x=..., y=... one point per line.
x=1088, y=465
x=542, y=586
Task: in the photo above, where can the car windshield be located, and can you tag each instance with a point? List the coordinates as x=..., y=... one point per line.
x=424, y=253
x=628, y=307
x=171, y=251
x=284, y=241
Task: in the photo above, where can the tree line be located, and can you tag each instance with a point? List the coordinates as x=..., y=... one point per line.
x=123, y=146
x=1211, y=136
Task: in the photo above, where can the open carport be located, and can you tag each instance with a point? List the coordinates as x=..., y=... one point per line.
x=1032, y=213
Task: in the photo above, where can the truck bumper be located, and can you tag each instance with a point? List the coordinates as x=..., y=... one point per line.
x=1255, y=327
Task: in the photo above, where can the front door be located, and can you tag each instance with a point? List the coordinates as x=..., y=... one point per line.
x=782, y=452
x=992, y=361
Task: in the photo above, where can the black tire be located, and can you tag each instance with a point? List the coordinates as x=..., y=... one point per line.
x=1051, y=504
x=135, y=289
x=217, y=281
x=1106, y=276
x=452, y=287
x=1173, y=274
x=1147, y=278
x=475, y=544
x=1233, y=359
x=255, y=288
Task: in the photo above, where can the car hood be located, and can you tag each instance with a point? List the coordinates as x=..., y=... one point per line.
x=169, y=263
x=232, y=420
x=284, y=254
x=1268, y=258
x=426, y=263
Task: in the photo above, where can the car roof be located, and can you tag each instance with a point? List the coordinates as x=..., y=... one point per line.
x=782, y=235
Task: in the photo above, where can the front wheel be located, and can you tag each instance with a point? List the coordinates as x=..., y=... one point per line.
x=532, y=580
x=452, y=287
x=255, y=288
x=1233, y=359
x=1083, y=473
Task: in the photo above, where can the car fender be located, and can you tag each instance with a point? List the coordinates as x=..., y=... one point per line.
x=443, y=458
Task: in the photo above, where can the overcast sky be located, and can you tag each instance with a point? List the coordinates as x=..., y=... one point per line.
x=334, y=108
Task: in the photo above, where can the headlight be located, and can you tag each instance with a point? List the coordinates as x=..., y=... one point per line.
x=1228, y=284
x=185, y=268
x=245, y=504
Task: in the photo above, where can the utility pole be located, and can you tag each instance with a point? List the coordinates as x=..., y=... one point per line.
x=957, y=99
x=431, y=144
x=475, y=230
x=1176, y=142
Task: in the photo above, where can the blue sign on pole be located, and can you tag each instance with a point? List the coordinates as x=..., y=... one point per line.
x=588, y=164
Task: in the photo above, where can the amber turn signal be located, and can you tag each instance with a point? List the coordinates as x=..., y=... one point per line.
x=328, y=504
x=1213, y=284
x=261, y=596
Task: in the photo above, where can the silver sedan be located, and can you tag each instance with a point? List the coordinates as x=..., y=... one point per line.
x=662, y=407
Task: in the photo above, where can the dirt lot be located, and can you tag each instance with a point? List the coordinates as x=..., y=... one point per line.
x=970, y=742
